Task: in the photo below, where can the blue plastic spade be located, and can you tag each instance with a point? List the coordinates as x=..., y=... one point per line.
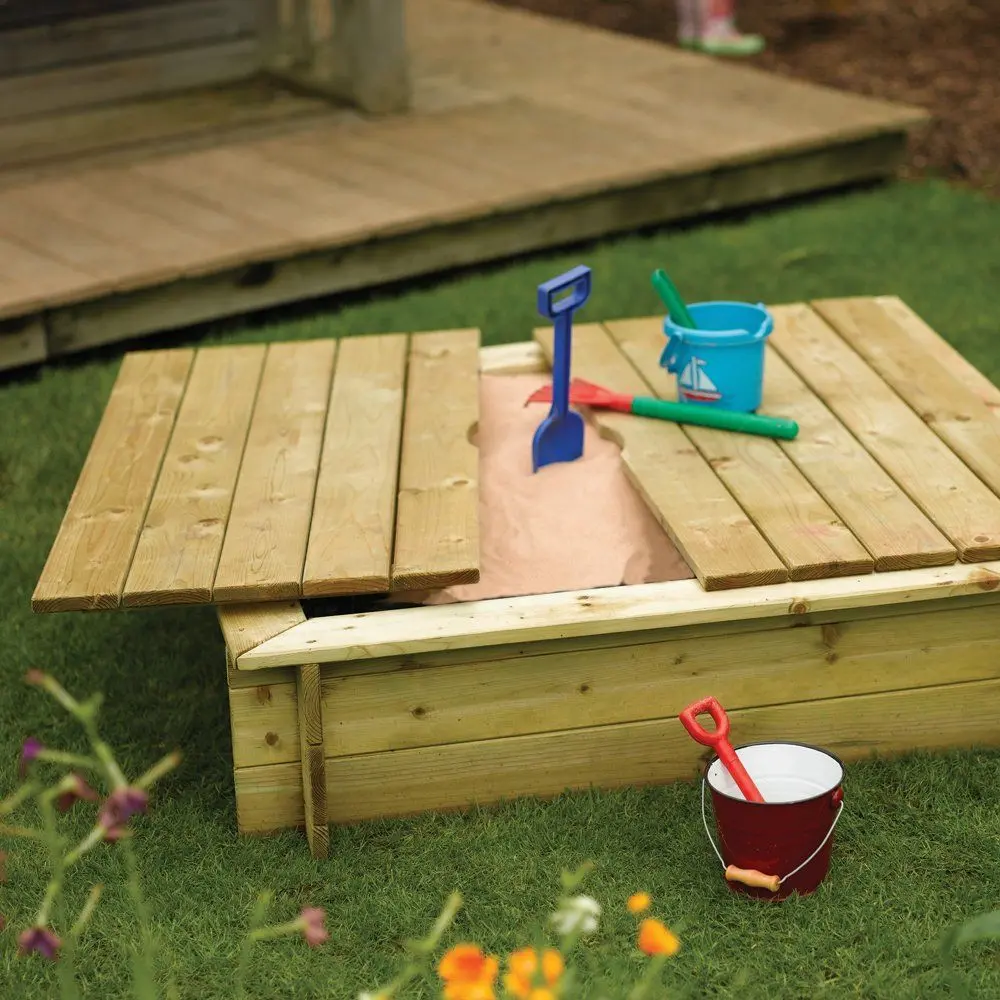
x=559, y=437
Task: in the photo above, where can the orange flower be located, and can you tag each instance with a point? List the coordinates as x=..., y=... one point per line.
x=468, y=973
x=522, y=966
x=656, y=939
x=638, y=902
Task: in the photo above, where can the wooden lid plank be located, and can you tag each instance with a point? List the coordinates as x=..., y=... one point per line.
x=437, y=514
x=721, y=544
x=923, y=466
x=894, y=348
x=265, y=546
x=89, y=561
x=181, y=540
x=800, y=525
x=354, y=513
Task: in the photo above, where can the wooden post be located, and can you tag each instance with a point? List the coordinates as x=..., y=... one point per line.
x=367, y=55
x=310, y=706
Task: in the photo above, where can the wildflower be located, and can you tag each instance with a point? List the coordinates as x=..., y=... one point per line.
x=468, y=973
x=311, y=921
x=74, y=789
x=522, y=969
x=119, y=807
x=39, y=939
x=639, y=902
x=656, y=939
x=577, y=915
x=29, y=753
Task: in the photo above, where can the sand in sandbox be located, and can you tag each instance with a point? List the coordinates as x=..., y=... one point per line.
x=572, y=526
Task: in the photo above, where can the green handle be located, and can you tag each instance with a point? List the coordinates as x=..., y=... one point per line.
x=706, y=416
x=672, y=300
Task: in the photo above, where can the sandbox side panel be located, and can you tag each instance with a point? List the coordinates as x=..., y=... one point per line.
x=455, y=776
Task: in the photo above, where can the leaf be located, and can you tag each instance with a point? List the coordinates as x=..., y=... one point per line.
x=985, y=927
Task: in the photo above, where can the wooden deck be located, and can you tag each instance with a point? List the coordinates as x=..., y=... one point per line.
x=526, y=133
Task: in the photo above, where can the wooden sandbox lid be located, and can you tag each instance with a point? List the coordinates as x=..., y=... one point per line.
x=272, y=472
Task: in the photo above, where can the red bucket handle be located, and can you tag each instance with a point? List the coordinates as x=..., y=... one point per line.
x=719, y=742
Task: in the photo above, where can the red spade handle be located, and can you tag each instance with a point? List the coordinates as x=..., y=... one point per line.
x=719, y=741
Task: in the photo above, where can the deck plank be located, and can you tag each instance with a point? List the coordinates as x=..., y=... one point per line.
x=720, y=543
x=265, y=546
x=922, y=465
x=437, y=513
x=89, y=561
x=957, y=414
x=350, y=540
x=181, y=540
x=793, y=516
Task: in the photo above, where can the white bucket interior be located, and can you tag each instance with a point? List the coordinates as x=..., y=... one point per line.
x=783, y=772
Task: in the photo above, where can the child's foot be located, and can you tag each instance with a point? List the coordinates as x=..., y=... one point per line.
x=720, y=38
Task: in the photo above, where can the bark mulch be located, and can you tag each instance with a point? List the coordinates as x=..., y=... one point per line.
x=941, y=55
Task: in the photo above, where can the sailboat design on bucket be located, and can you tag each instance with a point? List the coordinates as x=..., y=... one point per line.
x=695, y=383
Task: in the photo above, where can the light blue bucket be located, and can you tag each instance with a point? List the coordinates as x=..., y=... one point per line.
x=720, y=364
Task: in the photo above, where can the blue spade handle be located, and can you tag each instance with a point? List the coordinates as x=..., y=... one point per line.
x=560, y=311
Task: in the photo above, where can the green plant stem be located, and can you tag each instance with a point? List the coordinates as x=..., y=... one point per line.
x=652, y=973
x=261, y=904
x=145, y=956
x=54, y=899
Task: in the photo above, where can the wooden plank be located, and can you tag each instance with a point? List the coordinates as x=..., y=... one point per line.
x=350, y=540
x=796, y=520
x=437, y=513
x=30, y=280
x=522, y=357
x=719, y=542
x=128, y=78
x=884, y=519
x=129, y=32
x=265, y=546
x=310, y=724
x=453, y=776
x=272, y=277
x=932, y=343
x=181, y=541
x=957, y=414
x=542, y=691
x=88, y=563
x=245, y=626
x=610, y=611
x=923, y=466
x=22, y=342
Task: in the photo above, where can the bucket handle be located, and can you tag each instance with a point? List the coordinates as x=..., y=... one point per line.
x=757, y=879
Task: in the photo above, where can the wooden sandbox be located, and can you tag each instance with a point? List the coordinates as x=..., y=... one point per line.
x=846, y=585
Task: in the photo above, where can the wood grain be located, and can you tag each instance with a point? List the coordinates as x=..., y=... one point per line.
x=421, y=705
x=437, y=513
x=354, y=513
x=796, y=520
x=933, y=344
x=181, y=540
x=923, y=466
x=310, y=724
x=265, y=546
x=456, y=775
x=245, y=626
x=893, y=346
x=89, y=561
x=712, y=531
x=611, y=611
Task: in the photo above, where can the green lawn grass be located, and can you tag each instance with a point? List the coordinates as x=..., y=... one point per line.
x=916, y=850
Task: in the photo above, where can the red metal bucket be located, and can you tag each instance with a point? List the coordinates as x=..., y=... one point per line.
x=789, y=836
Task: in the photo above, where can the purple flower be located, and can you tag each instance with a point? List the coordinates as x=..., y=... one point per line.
x=314, y=931
x=119, y=807
x=39, y=939
x=29, y=752
x=75, y=789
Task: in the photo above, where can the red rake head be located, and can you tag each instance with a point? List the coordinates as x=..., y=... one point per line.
x=583, y=393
